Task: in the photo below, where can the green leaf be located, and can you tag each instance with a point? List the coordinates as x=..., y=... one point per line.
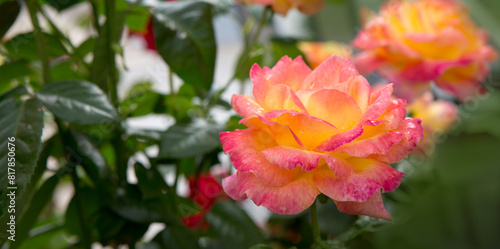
x=64, y=70
x=24, y=46
x=41, y=166
x=143, y=133
x=44, y=237
x=140, y=104
x=149, y=181
x=91, y=204
x=184, y=36
x=91, y=158
x=180, y=107
x=232, y=226
x=85, y=47
x=77, y=101
x=9, y=10
x=14, y=93
x=187, y=166
x=14, y=70
x=193, y=139
x=175, y=236
x=186, y=207
x=39, y=201
x=22, y=121
x=107, y=224
x=131, y=206
x=62, y=5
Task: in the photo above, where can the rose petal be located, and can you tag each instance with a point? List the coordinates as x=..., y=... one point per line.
x=243, y=147
x=246, y=105
x=310, y=130
x=333, y=106
x=291, y=198
x=412, y=132
x=379, y=101
x=282, y=134
x=241, y=139
x=426, y=71
x=446, y=44
x=287, y=71
x=230, y=186
x=394, y=114
x=332, y=71
x=370, y=176
x=258, y=76
x=289, y=158
x=339, y=139
x=374, y=140
x=464, y=82
x=373, y=207
x=358, y=88
x=282, y=97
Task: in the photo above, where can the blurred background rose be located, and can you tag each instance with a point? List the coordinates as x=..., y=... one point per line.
x=418, y=42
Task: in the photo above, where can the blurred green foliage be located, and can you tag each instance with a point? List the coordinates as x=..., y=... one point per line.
x=450, y=200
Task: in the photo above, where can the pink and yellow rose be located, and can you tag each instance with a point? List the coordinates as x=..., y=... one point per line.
x=412, y=43
x=321, y=131
x=317, y=52
x=309, y=7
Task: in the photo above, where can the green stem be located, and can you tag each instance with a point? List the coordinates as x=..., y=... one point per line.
x=318, y=243
x=121, y=152
x=113, y=77
x=315, y=226
x=42, y=52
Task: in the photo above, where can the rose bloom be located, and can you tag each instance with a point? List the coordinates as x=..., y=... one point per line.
x=204, y=191
x=317, y=52
x=414, y=42
x=309, y=7
x=438, y=117
x=312, y=132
